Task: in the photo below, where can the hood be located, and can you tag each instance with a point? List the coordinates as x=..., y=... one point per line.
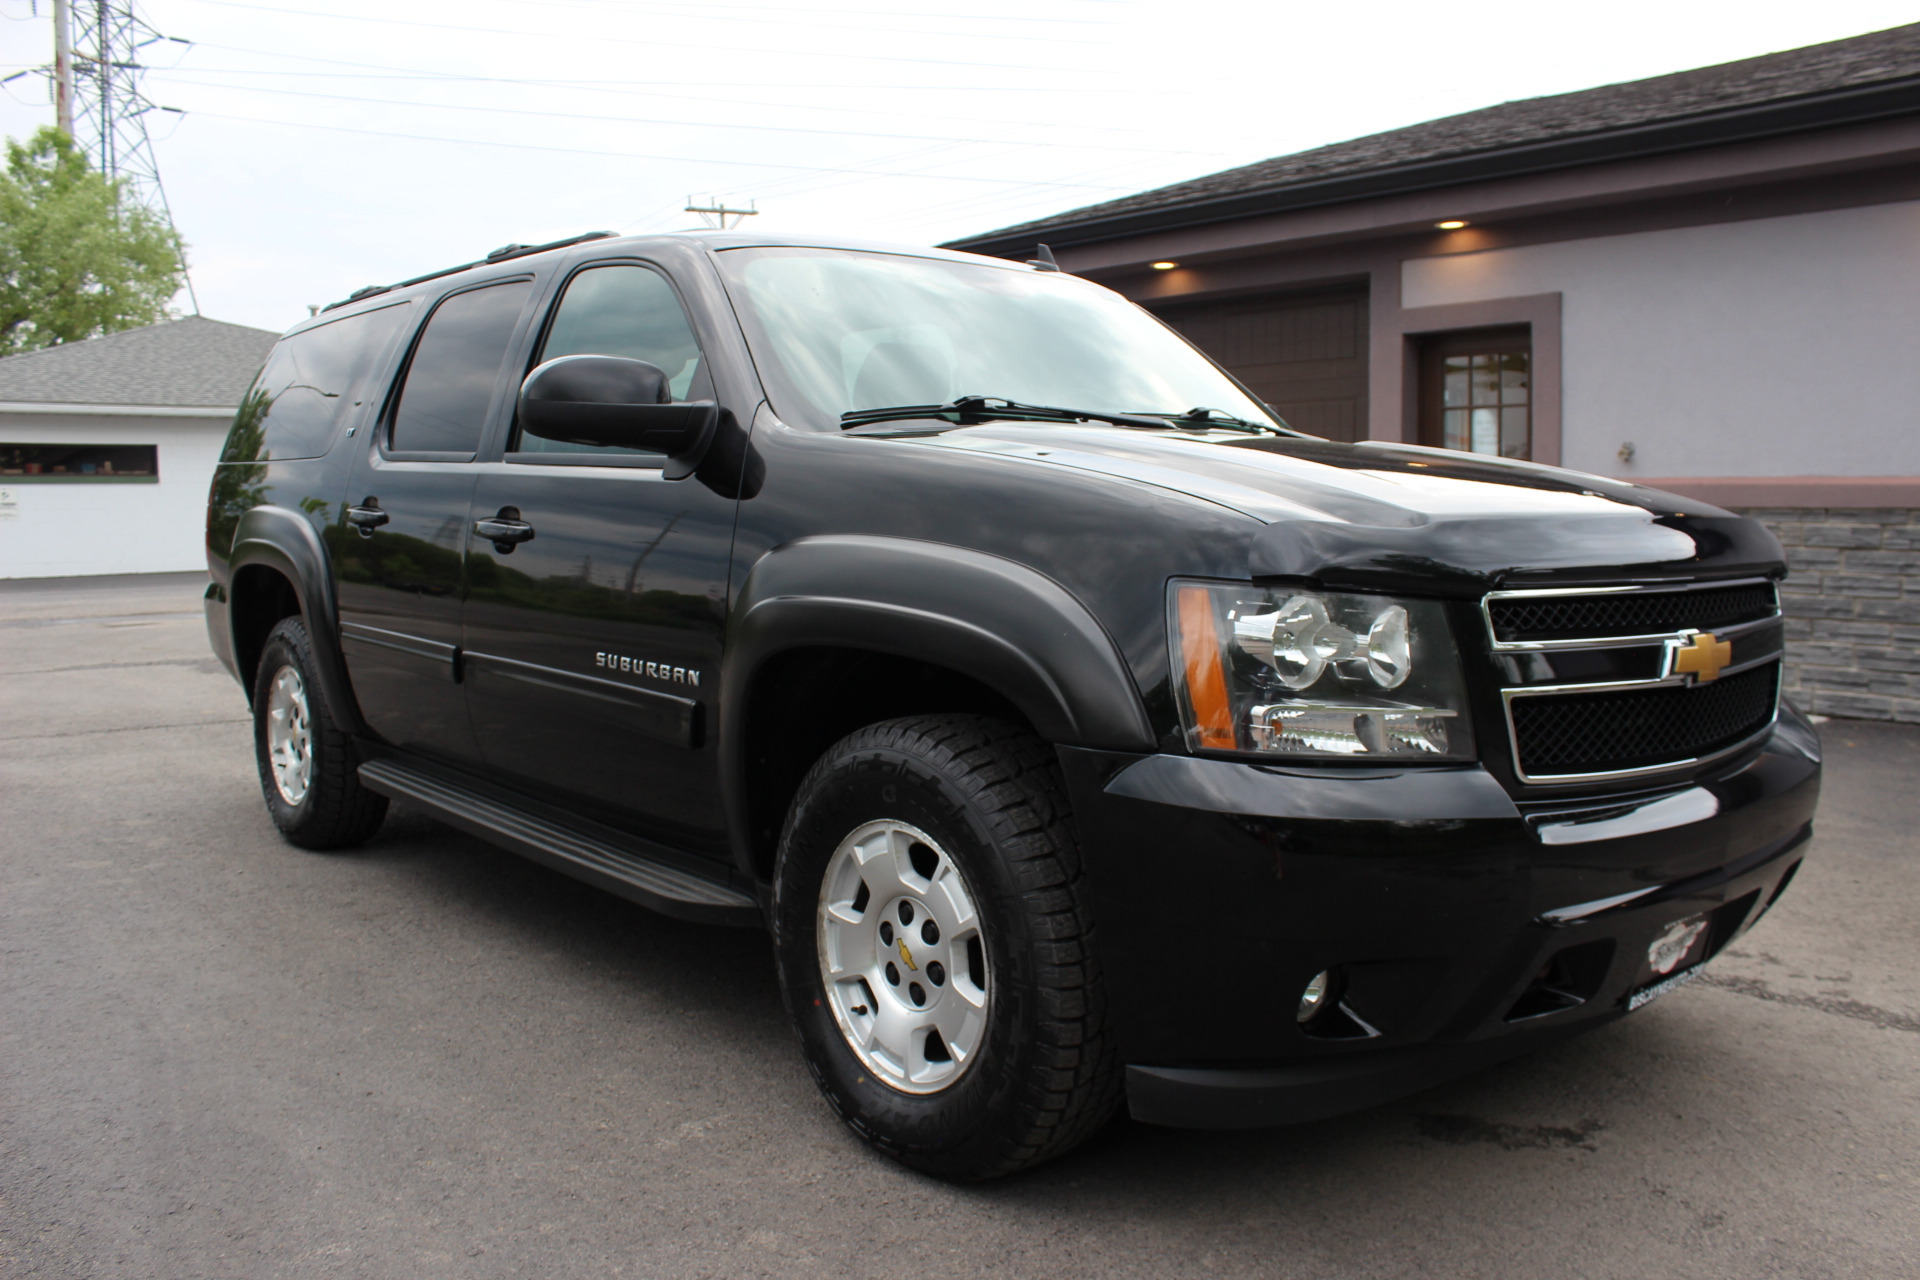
x=1392, y=516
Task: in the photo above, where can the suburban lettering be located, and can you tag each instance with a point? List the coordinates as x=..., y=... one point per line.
x=641, y=666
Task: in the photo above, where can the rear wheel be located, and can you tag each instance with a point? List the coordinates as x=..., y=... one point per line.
x=934, y=943
x=307, y=765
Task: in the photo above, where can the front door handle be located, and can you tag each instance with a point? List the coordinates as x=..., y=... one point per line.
x=505, y=531
x=367, y=518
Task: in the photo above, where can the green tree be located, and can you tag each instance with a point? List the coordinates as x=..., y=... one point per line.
x=77, y=259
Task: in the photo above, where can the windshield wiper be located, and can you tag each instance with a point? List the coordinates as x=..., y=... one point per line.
x=967, y=410
x=1202, y=419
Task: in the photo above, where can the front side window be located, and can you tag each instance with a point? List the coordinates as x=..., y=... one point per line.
x=449, y=382
x=1476, y=392
x=833, y=331
x=621, y=310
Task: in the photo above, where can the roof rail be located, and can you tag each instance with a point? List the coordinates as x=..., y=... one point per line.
x=502, y=254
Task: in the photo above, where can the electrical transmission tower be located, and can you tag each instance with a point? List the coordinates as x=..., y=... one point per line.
x=95, y=78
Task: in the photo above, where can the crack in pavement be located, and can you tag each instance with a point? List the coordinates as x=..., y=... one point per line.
x=116, y=666
x=128, y=728
x=1759, y=990
x=104, y=619
x=1460, y=1130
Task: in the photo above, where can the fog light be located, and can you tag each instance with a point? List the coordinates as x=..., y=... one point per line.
x=1314, y=998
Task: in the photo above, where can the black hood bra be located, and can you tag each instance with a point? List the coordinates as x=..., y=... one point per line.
x=1396, y=517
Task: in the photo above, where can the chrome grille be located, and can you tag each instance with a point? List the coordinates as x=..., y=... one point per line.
x=1595, y=687
x=1584, y=616
x=1617, y=731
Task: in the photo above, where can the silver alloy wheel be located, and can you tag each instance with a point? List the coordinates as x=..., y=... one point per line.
x=902, y=957
x=289, y=736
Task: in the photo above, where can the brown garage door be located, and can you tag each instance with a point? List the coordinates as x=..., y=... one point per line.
x=1303, y=353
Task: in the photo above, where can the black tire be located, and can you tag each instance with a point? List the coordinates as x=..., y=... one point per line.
x=1047, y=1075
x=335, y=812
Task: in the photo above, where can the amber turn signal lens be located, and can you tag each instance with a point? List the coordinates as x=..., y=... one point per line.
x=1206, y=682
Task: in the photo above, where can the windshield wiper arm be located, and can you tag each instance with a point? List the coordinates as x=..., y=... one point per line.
x=1203, y=419
x=966, y=410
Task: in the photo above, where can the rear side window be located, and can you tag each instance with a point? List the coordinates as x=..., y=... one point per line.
x=621, y=310
x=449, y=382
x=311, y=383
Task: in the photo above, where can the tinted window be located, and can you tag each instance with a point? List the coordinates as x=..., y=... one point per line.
x=443, y=404
x=621, y=311
x=311, y=382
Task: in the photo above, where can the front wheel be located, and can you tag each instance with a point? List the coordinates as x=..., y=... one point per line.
x=308, y=766
x=934, y=943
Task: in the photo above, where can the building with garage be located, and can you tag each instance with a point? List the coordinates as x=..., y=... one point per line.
x=107, y=446
x=1707, y=282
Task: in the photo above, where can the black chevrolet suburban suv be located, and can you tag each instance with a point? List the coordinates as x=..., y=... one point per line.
x=1083, y=734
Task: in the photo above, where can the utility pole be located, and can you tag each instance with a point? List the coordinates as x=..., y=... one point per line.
x=715, y=213
x=62, y=69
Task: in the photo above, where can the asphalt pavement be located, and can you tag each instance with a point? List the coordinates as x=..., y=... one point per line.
x=223, y=1057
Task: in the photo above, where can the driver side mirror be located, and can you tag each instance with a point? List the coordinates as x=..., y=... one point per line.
x=611, y=400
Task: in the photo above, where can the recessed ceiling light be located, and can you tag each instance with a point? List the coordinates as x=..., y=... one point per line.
x=1165, y=266
x=1451, y=224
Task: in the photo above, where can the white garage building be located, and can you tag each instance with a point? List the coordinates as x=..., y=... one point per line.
x=107, y=446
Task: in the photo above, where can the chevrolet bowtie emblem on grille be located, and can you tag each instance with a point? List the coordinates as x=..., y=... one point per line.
x=906, y=954
x=1700, y=656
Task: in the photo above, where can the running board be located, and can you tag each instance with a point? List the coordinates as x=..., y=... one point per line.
x=654, y=884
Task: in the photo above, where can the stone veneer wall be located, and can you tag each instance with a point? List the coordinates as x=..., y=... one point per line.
x=1852, y=601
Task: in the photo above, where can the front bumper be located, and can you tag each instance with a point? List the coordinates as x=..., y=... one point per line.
x=1464, y=928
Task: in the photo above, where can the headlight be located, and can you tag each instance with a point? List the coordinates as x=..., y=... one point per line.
x=1312, y=673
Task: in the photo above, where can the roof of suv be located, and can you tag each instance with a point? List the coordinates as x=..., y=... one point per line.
x=714, y=240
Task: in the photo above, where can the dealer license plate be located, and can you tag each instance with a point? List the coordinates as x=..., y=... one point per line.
x=1674, y=959
x=1646, y=995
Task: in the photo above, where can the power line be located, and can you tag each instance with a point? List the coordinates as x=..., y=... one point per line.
x=626, y=86
x=703, y=13
x=863, y=86
x=872, y=13
x=688, y=124
x=637, y=155
x=574, y=37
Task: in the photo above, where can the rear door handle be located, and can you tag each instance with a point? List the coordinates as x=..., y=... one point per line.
x=366, y=519
x=505, y=531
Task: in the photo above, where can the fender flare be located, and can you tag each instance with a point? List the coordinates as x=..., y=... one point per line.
x=1013, y=629
x=286, y=541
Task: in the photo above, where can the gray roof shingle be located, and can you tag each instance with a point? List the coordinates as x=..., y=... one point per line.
x=1881, y=56
x=193, y=361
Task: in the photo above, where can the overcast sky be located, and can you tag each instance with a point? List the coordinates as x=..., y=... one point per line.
x=328, y=144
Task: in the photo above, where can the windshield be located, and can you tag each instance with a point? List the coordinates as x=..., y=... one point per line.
x=834, y=331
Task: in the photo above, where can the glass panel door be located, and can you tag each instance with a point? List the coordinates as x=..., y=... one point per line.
x=1476, y=392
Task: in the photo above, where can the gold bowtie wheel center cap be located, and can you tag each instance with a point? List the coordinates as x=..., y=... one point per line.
x=1702, y=656
x=906, y=955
